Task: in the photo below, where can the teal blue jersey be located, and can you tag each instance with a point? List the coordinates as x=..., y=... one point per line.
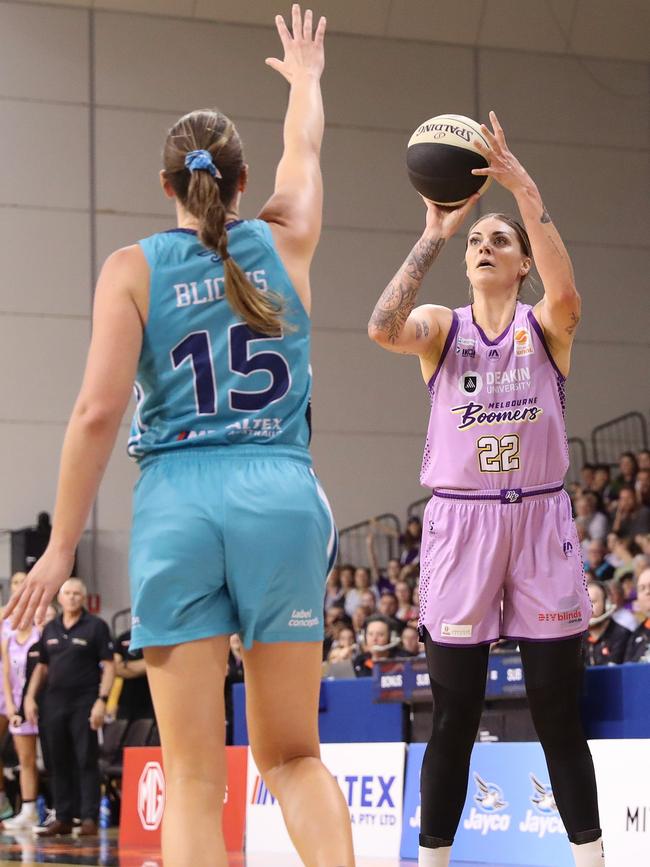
x=204, y=377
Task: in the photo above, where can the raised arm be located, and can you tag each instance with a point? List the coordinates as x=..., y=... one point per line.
x=105, y=392
x=294, y=211
x=396, y=323
x=559, y=310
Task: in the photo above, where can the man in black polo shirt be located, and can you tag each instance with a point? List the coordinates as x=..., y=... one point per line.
x=74, y=701
x=135, y=697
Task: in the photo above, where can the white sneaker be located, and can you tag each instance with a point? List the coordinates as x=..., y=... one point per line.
x=45, y=824
x=22, y=822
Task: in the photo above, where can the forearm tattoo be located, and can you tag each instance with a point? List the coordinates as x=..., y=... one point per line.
x=546, y=217
x=398, y=298
x=570, y=329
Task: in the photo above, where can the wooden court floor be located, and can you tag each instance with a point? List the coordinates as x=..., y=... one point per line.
x=103, y=851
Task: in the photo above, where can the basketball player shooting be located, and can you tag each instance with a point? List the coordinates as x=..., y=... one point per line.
x=500, y=554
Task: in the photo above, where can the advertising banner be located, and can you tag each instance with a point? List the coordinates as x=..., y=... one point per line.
x=510, y=815
x=371, y=777
x=623, y=775
x=143, y=798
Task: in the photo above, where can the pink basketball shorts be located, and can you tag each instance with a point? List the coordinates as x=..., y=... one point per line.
x=502, y=564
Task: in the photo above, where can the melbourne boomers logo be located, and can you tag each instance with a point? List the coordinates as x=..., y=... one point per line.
x=544, y=819
x=476, y=414
x=489, y=816
x=151, y=796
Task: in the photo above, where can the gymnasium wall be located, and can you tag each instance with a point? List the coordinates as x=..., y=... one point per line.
x=85, y=99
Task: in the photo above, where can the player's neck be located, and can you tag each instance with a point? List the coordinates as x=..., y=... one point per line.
x=494, y=312
x=185, y=220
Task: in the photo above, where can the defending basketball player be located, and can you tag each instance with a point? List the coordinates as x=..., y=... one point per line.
x=500, y=554
x=231, y=530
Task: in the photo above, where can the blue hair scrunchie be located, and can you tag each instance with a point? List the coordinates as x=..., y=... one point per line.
x=201, y=161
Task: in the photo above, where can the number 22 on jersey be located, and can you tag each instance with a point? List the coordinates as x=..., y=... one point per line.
x=498, y=454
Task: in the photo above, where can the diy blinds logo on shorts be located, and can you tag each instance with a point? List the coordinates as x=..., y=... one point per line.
x=151, y=796
x=371, y=779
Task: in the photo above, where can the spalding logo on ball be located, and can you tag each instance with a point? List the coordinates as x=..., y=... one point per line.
x=440, y=157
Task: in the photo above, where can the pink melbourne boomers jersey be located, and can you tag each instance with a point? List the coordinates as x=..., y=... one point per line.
x=497, y=409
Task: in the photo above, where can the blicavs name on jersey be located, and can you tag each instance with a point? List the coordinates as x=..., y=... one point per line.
x=213, y=289
x=507, y=412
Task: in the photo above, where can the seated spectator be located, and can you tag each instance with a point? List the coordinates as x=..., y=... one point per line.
x=596, y=566
x=606, y=641
x=361, y=582
x=334, y=592
x=630, y=517
x=377, y=645
x=410, y=541
x=643, y=459
x=638, y=644
x=359, y=619
x=234, y=674
x=369, y=601
x=628, y=586
x=602, y=484
x=405, y=609
x=334, y=617
x=589, y=518
x=627, y=470
x=344, y=645
x=623, y=556
x=387, y=608
x=346, y=578
x=135, y=697
x=642, y=488
x=410, y=642
x=382, y=579
x=587, y=477
x=643, y=541
x=622, y=615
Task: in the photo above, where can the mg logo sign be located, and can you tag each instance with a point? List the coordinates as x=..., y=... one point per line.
x=151, y=796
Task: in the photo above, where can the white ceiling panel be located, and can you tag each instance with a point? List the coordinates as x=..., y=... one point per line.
x=436, y=20
x=525, y=26
x=606, y=29
x=359, y=16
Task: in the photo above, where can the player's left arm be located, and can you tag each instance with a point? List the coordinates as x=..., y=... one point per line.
x=90, y=436
x=559, y=310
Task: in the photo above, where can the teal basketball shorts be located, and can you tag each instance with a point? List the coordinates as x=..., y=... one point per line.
x=232, y=539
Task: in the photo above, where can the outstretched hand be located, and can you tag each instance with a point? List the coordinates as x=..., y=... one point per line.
x=303, y=49
x=28, y=604
x=503, y=165
x=443, y=222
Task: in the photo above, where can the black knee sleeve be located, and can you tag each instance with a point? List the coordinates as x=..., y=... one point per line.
x=458, y=685
x=553, y=673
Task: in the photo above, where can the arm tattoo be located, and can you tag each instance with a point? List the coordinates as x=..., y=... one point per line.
x=398, y=298
x=570, y=329
x=546, y=217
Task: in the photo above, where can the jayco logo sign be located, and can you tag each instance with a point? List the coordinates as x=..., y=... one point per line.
x=509, y=814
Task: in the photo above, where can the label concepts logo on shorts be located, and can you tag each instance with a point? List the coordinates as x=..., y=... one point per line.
x=466, y=347
x=456, y=630
x=151, y=796
x=470, y=383
x=302, y=617
x=523, y=342
x=544, y=819
x=489, y=816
